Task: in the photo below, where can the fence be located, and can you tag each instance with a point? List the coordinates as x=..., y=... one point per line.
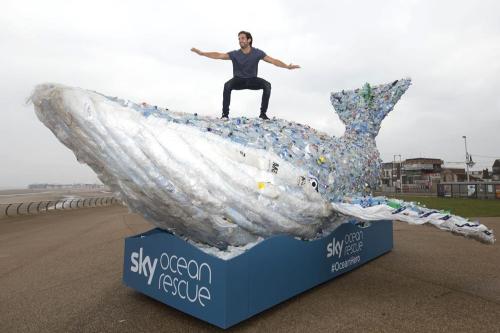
x=409, y=189
x=485, y=190
x=37, y=207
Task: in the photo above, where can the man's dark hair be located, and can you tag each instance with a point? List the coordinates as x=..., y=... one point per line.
x=249, y=36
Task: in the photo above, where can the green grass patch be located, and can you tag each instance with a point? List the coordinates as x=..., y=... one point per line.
x=458, y=206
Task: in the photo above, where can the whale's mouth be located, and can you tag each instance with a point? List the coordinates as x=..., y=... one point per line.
x=51, y=105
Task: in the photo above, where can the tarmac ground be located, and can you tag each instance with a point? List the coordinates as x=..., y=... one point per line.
x=62, y=272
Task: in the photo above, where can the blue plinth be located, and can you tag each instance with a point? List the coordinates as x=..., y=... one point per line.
x=225, y=292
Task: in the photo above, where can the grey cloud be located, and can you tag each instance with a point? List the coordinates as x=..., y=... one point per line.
x=140, y=51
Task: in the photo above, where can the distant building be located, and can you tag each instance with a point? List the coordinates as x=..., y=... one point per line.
x=421, y=174
x=453, y=175
x=480, y=175
x=90, y=187
x=427, y=174
x=495, y=170
x=390, y=173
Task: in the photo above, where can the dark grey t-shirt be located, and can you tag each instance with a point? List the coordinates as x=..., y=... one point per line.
x=246, y=65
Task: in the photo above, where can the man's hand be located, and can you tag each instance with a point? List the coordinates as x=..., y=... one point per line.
x=211, y=55
x=279, y=63
x=195, y=50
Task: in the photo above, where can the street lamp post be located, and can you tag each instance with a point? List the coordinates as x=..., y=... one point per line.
x=466, y=157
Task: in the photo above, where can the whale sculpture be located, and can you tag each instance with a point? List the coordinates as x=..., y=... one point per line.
x=223, y=182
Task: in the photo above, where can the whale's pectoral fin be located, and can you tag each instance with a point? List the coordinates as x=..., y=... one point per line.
x=362, y=110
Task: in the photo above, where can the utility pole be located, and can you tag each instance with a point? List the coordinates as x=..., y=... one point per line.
x=393, y=172
x=401, y=173
x=392, y=175
x=466, y=157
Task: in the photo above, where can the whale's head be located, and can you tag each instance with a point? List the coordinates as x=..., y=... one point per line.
x=61, y=108
x=70, y=113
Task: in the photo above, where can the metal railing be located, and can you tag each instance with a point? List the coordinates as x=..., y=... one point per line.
x=37, y=207
x=474, y=190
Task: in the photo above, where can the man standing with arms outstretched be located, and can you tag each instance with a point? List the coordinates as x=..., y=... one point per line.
x=245, y=64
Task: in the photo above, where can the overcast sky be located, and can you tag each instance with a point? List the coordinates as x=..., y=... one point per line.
x=140, y=50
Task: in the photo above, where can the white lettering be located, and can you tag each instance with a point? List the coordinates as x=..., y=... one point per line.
x=334, y=248
x=338, y=266
x=181, y=263
x=159, y=279
x=135, y=265
x=143, y=266
x=204, y=295
x=167, y=262
x=354, y=248
x=186, y=284
x=195, y=276
x=172, y=266
x=175, y=286
x=353, y=237
x=167, y=282
x=141, y=262
x=175, y=270
x=209, y=272
x=152, y=268
x=192, y=300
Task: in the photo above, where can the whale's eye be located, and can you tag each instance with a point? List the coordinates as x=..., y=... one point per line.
x=314, y=183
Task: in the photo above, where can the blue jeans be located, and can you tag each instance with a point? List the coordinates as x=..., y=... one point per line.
x=253, y=83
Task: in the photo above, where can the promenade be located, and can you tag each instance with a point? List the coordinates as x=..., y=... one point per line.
x=61, y=272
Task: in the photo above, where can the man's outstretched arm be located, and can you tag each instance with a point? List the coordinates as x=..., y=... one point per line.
x=279, y=63
x=212, y=55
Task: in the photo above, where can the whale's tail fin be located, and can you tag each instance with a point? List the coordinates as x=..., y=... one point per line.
x=362, y=110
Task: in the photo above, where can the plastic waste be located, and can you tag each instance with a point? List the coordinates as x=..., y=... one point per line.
x=224, y=182
x=382, y=208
